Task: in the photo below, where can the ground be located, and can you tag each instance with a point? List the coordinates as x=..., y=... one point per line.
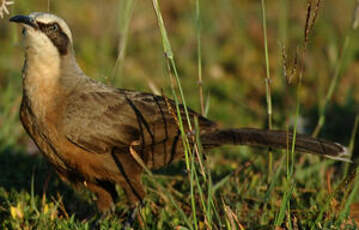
x=238, y=190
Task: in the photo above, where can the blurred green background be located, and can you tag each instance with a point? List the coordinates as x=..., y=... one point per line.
x=232, y=54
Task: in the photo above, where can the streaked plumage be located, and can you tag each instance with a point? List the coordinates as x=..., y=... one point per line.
x=85, y=128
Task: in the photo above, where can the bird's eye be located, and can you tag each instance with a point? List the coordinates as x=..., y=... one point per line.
x=52, y=28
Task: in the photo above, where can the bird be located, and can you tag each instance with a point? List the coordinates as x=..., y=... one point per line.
x=86, y=129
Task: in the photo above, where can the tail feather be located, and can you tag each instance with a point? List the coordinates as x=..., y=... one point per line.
x=275, y=139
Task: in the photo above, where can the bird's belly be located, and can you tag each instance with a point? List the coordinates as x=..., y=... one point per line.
x=45, y=138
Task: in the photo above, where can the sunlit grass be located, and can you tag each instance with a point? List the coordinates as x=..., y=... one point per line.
x=192, y=50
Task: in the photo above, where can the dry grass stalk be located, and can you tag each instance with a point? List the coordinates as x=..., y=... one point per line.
x=3, y=7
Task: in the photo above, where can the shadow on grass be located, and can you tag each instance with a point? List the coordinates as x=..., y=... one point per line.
x=19, y=169
x=339, y=123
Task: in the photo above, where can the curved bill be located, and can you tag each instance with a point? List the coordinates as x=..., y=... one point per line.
x=24, y=20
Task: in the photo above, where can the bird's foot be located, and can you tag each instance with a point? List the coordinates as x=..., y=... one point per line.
x=99, y=217
x=131, y=219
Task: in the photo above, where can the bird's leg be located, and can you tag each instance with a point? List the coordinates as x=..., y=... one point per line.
x=136, y=212
x=135, y=194
x=105, y=197
x=129, y=176
x=130, y=179
x=46, y=184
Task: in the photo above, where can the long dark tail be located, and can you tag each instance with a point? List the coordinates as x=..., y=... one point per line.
x=274, y=139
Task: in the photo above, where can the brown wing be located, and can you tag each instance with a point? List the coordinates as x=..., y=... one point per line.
x=100, y=120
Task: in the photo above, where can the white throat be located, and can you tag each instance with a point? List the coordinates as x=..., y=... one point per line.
x=41, y=71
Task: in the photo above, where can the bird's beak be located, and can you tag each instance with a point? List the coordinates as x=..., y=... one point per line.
x=24, y=20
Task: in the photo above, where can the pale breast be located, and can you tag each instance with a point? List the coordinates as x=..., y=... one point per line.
x=39, y=134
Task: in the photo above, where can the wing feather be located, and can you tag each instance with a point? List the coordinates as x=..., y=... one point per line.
x=98, y=121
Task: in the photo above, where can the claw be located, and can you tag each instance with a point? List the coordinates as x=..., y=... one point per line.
x=131, y=219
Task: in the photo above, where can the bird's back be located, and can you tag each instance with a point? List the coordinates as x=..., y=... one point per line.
x=101, y=118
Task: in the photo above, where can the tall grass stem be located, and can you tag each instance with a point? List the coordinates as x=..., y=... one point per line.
x=199, y=56
x=125, y=15
x=267, y=84
x=337, y=73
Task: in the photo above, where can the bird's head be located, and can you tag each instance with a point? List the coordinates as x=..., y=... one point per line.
x=45, y=33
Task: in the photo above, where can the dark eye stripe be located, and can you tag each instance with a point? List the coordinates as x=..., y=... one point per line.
x=57, y=36
x=47, y=28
